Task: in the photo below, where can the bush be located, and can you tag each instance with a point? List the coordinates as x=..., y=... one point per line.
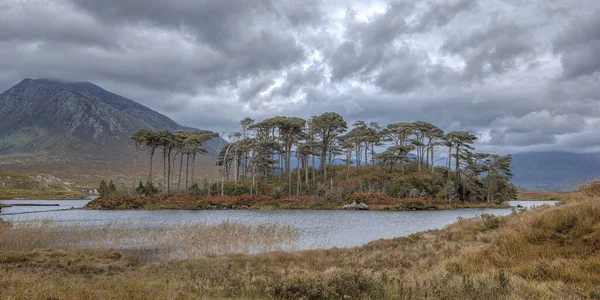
x=490, y=221
x=398, y=189
x=195, y=191
x=107, y=190
x=336, y=284
x=147, y=190
x=231, y=189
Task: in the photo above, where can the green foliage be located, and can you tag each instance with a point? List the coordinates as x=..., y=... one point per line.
x=195, y=191
x=147, y=190
x=232, y=190
x=107, y=190
x=398, y=189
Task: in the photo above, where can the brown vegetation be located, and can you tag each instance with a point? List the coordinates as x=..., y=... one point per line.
x=544, y=253
x=331, y=200
x=17, y=185
x=180, y=241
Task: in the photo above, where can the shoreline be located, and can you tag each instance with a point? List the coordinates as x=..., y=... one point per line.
x=184, y=202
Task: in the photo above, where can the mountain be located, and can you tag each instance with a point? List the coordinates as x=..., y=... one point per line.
x=554, y=170
x=73, y=122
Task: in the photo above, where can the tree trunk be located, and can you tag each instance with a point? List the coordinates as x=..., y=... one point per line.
x=193, y=168
x=314, y=175
x=150, y=158
x=373, y=152
x=289, y=168
x=298, y=177
x=348, y=158
x=187, y=171
x=324, y=161
x=235, y=172
x=449, y=158
x=419, y=158
x=457, y=163
x=164, y=169
x=135, y=158
x=366, y=154
x=305, y=159
x=357, y=157
x=252, y=182
x=180, y=171
x=432, y=163
x=169, y=170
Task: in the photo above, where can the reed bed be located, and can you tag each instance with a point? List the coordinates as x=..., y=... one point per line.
x=178, y=241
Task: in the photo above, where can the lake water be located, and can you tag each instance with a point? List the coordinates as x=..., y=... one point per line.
x=319, y=229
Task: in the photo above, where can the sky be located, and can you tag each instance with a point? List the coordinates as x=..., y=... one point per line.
x=522, y=75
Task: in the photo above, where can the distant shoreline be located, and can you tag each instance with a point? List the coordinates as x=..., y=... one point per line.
x=185, y=202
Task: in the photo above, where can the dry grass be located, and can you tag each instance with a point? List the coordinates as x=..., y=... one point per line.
x=541, y=195
x=181, y=241
x=551, y=252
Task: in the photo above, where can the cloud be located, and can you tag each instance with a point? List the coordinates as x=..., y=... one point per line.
x=522, y=75
x=579, y=46
x=497, y=48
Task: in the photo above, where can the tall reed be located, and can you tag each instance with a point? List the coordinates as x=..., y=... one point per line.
x=178, y=241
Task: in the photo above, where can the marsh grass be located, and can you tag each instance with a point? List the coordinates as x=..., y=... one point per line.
x=179, y=241
x=550, y=252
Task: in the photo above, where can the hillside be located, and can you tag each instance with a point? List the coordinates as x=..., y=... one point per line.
x=13, y=185
x=61, y=119
x=554, y=170
x=75, y=131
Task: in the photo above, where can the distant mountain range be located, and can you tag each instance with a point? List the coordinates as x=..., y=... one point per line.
x=554, y=170
x=558, y=171
x=73, y=121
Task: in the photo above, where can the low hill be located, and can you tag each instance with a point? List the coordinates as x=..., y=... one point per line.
x=554, y=170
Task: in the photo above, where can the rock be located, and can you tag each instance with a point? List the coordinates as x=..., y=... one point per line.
x=355, y=206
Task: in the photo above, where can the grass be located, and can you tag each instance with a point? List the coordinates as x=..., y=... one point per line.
x=179, y=241
x=16, y=185
x=551, y=252
x=541, y=195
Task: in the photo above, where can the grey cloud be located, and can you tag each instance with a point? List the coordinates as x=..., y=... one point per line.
x=401, y=75
x=494, y=49
x=440, y=14
x=38, y=23
x=529, y=139
x=579, y=46
x=505, y=70
x=249, y=93
x=543, y=121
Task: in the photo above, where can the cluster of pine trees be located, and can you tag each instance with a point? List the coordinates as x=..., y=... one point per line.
x=183, y=144
x=261, y=154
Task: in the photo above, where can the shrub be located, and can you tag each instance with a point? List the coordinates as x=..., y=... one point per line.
x=336, y=284
x=490, y=221
x=398, y=189
x=107, y=190
x=148, y=190
x=195, y=191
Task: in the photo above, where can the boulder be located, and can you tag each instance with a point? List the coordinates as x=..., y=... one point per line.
x=356, y=206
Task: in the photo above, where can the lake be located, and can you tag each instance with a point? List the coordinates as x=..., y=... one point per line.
x=319, y=228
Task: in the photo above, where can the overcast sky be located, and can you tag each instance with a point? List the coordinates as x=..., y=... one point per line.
x=523, y=75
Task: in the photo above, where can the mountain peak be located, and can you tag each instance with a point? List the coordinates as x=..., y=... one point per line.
x=66, y=118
